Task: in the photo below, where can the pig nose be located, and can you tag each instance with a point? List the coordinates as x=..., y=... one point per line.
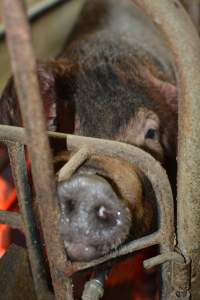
x=90, y=198
x=93, y=218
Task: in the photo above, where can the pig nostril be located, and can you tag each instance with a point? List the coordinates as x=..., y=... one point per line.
x=69, y=206
x=104, y=215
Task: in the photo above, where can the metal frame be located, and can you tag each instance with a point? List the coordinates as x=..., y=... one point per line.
x=85, y=147
x=178, y=30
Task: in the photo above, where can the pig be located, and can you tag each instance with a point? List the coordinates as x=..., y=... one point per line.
x=113, y=80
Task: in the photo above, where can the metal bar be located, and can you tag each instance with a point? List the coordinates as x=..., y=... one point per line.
x=136, y=245
x=13, y=134
x=72, y=165
x=38, y=11
x=19, y=171
x=11, y=218
x=162, y=258
x=185, y=44
x=193, y=7
x=26, y=82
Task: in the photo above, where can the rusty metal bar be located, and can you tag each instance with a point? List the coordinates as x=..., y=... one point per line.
x=70, y=167
x=193, y=8
x=162, y=258
x=19, y=172
x=37, y=11
x=11, y=218
x=13, y=134
x=26, y=81
x=136, y=245
x=184, y=41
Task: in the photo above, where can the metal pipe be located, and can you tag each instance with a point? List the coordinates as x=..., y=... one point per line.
x=25, y=74
x=19, y=172
x=184, y=41
x=11, y=218
x=73, y=164
x=193, y=7
x=38, y=11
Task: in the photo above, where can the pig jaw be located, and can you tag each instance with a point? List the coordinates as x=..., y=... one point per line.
x=93, y=218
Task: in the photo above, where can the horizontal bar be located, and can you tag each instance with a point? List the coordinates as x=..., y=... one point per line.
x=12, y=134
x=142, y=243
x=11, y=218
x=162, y=258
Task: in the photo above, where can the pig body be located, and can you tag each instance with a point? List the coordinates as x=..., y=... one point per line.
x=114, y=80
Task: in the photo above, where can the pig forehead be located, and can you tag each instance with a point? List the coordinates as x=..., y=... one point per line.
x=104, y=108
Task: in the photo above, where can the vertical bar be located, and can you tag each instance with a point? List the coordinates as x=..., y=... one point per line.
x=184, y=41
x=193, y=7
x=19, y=172
x=26, y=81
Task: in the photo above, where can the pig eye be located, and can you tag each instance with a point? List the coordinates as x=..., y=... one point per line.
x=151, y=134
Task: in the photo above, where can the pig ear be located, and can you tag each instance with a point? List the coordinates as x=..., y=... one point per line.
x=162, y=89
x=52, y=75
x=54, y=78
x=48, y=93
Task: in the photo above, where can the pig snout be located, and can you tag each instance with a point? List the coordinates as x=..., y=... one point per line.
x=94, y=219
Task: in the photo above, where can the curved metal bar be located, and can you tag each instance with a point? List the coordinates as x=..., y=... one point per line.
x=184, y=42
x=25, y=75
